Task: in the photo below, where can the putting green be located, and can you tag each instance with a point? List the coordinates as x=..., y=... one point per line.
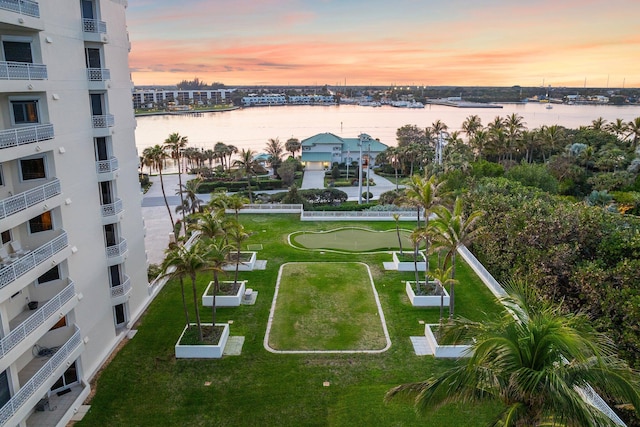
x=326, y=307
x=350, y=239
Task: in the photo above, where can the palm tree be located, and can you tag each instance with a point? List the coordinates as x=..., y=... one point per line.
x=221, y=152
x=236, y=202
x=275, y=150
x=189, y=193
x=634, y=131
x=396, y=218
x=188, y=261
x=237, y=235
x=173, y=252
x=442, y=276
x=598, y=124
x=175, y=144
x=292, y=145
x=217, y=256
x=247, y=165
x=537, y=361
x=416, y=237
x=450, y=230
x=471, y=126
x=158, y=155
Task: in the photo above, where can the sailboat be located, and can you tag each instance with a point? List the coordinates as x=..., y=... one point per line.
x=549, y=106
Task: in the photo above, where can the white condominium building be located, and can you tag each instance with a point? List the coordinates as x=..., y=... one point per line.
x=72, y=257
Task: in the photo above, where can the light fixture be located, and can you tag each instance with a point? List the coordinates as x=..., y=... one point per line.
x=61, y=150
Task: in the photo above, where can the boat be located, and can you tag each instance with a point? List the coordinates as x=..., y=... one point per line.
x=549, y=107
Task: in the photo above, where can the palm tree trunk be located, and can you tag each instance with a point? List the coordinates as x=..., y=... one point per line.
x=215, y=292
x=184, y=223
x=415, y=268
x=452, y=286
x=195, y=304
x=184, y=302
x=235, y=279
x=166, y=203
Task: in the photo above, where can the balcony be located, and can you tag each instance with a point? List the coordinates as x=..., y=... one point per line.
x=47, y=372
x=94, y=30
x=29, y=198
x=98, y=74
x=106, y=169
x=23, y=7
x=25, y=135
x=103, y=121
x=50, y=312
x=116, y=253
x=110, y=212
x=120, y=293
x=33, y=259
x=10, y=70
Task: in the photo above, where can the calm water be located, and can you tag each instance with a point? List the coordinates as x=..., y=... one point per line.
x=252, y=127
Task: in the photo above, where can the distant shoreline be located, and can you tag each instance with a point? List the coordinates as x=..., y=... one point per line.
x=179, y=113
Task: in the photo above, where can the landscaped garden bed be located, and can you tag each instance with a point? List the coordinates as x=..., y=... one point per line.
x=405, y=262
x=246, y=262
x=230, y=294
x=441, y=350
x=212, y=347
x=429, y=295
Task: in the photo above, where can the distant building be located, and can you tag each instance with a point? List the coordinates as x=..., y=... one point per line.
x=322, y=150
x=266, y=99
x=149, y=98
x=311, y=99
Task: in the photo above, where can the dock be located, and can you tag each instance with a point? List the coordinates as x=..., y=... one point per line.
x=461, y=104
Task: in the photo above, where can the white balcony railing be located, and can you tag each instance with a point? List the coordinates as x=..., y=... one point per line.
x=94, y=26
x=111, y=209
x=10, y=70
x=103, y=121
x=31, y=260
x=25, y=135
x=51, y=308
x=33, y=385
x=121, y=290
x=107, y=166
x=117, y=250
x=98, y=74
x=23, y=7
x=22, y=201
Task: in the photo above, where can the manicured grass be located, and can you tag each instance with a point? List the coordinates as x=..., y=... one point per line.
x=352, y=239
x=146, y=386
x=326, y=307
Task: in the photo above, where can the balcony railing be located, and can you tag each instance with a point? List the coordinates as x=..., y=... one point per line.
x=33, y=385
x=121, y=290
x=23, y=7
x=10, y=70
x=22, y=201
x=98, y=74
x=103, y=121
x=107, y=166
x=25, y=135
x=111, y=209
x=94, y=26
x=52, y=307
x=117, y=250
x=31, y=260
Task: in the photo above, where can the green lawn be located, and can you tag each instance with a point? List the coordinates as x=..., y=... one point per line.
x=326, y=306
x=146, y=386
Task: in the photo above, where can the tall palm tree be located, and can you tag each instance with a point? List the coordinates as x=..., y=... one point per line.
x=237, y=235
x=221, y=153
x=450, y=230
x=247, y=166
x=293, y=145
x=423, y=193
x=536, y=361
x=175, y=144
x=514, y=126
x=275, y=150
x=598, y=124
x=217, y=255
x=236, y=202
x=471, y=126
x=634, y=132
x=442, y=276
x=396, y=218
x=158, y=155
x=173, y=252
x=417, y=236
x=190, y=200
x=188, y=262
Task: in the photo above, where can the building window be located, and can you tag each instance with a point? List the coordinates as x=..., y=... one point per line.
x=5, y=393
x=67, y=379
x=6, y=236
x=120, y=315
x=25, y=112
x=1, y=179
x=33, y=168
x=49, y=276
x=17, y=51
x=42, y=222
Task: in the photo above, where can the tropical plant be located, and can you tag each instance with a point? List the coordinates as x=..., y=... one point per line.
x=175, y=144
x=237, y=235
x=247, y=166
x=189, y=195
x=157, y=155
x=396, y=218
x=217, y=255
x=275, y=150
x=442, y=276
x=450, y=230
x=292, y=145
x=536, y=360
x=187, y=262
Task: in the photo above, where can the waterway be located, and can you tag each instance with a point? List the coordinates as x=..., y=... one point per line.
x=253, y=127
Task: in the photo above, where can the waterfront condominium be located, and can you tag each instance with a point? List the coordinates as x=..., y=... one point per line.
x=72, y=258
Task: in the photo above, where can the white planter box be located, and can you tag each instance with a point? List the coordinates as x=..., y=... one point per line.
x=425, y=300
x=410, y=266
x=445, y=351
x=223, y=300
x=202, y=351
x=244, y=266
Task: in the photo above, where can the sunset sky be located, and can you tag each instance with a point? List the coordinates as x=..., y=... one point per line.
x=386, y=42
